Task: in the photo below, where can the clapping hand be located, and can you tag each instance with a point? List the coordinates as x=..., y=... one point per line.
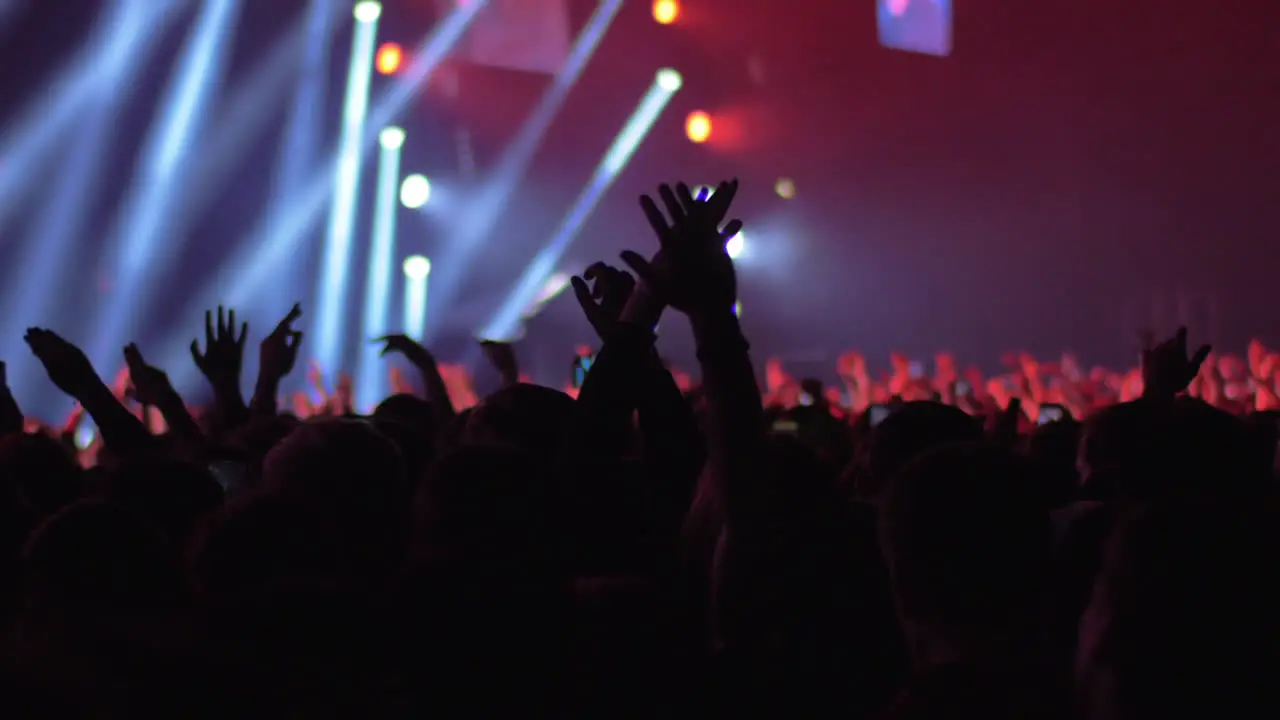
x=1167, y=369
x=223, y=354
x=691, y=271
x=150, y=384
x=603, y=292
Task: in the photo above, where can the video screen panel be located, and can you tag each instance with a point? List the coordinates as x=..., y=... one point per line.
x=920, y=26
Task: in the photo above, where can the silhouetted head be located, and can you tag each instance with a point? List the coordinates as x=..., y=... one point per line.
x=1053, y=449
x=529, y=417
x=96, y=558
x=414, y=440
x=256, y=439
x=350, y=483
x=489, y=510
x=409, y=410
x=336, y=458
x=966, y=535
x=174, y=496
x=912, y=429
x=806, y=481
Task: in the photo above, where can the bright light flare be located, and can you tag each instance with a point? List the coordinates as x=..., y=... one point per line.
x=368, y=11
x=416, y=270
x=666, y=12
x=785, y=187
x=391, y=138
x=389, y=59
x=417, y=267
x=415, y=191
x=669, y=80
x=736, y=246
x=698, y=126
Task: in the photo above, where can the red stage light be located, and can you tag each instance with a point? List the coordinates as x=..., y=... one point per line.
x=389, y=58
x=666, y=11
x=698, y=126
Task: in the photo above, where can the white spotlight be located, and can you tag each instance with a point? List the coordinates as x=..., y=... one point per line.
x=368, y=11
x=415, y=191
x=417, y=267
x=391, y=138
x=736, y=245
x=669, y=80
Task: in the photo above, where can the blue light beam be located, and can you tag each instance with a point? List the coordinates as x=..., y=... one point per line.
x=370, y=377
x=506, y=322
x=484, y=211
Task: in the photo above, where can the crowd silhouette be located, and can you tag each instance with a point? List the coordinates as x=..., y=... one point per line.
x=1051, y=542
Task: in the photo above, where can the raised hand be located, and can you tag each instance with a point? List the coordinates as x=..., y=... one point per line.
x=691, y=271
x=279, y=351
x=406, y=346
x=223, y=354
x=66, y=364
x=151, y=385
x=1002, y=426
x=502, y=356
x=1167, y=369
x=603, y=292
x=11, y=420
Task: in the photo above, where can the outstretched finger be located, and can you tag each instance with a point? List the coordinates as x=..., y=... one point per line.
x=287, y=321
x=387, y=345
x=640, y=267
x=731, y=228
x=223, y=330
x=244, y=333
x=656, y=219
x=582, y=291
x=674, y=209
x=195, y=353
x=720, y=201
x=624, y=280
x=1201, y=355
x=596, y=272
x=208, y=328
x=687, y=201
